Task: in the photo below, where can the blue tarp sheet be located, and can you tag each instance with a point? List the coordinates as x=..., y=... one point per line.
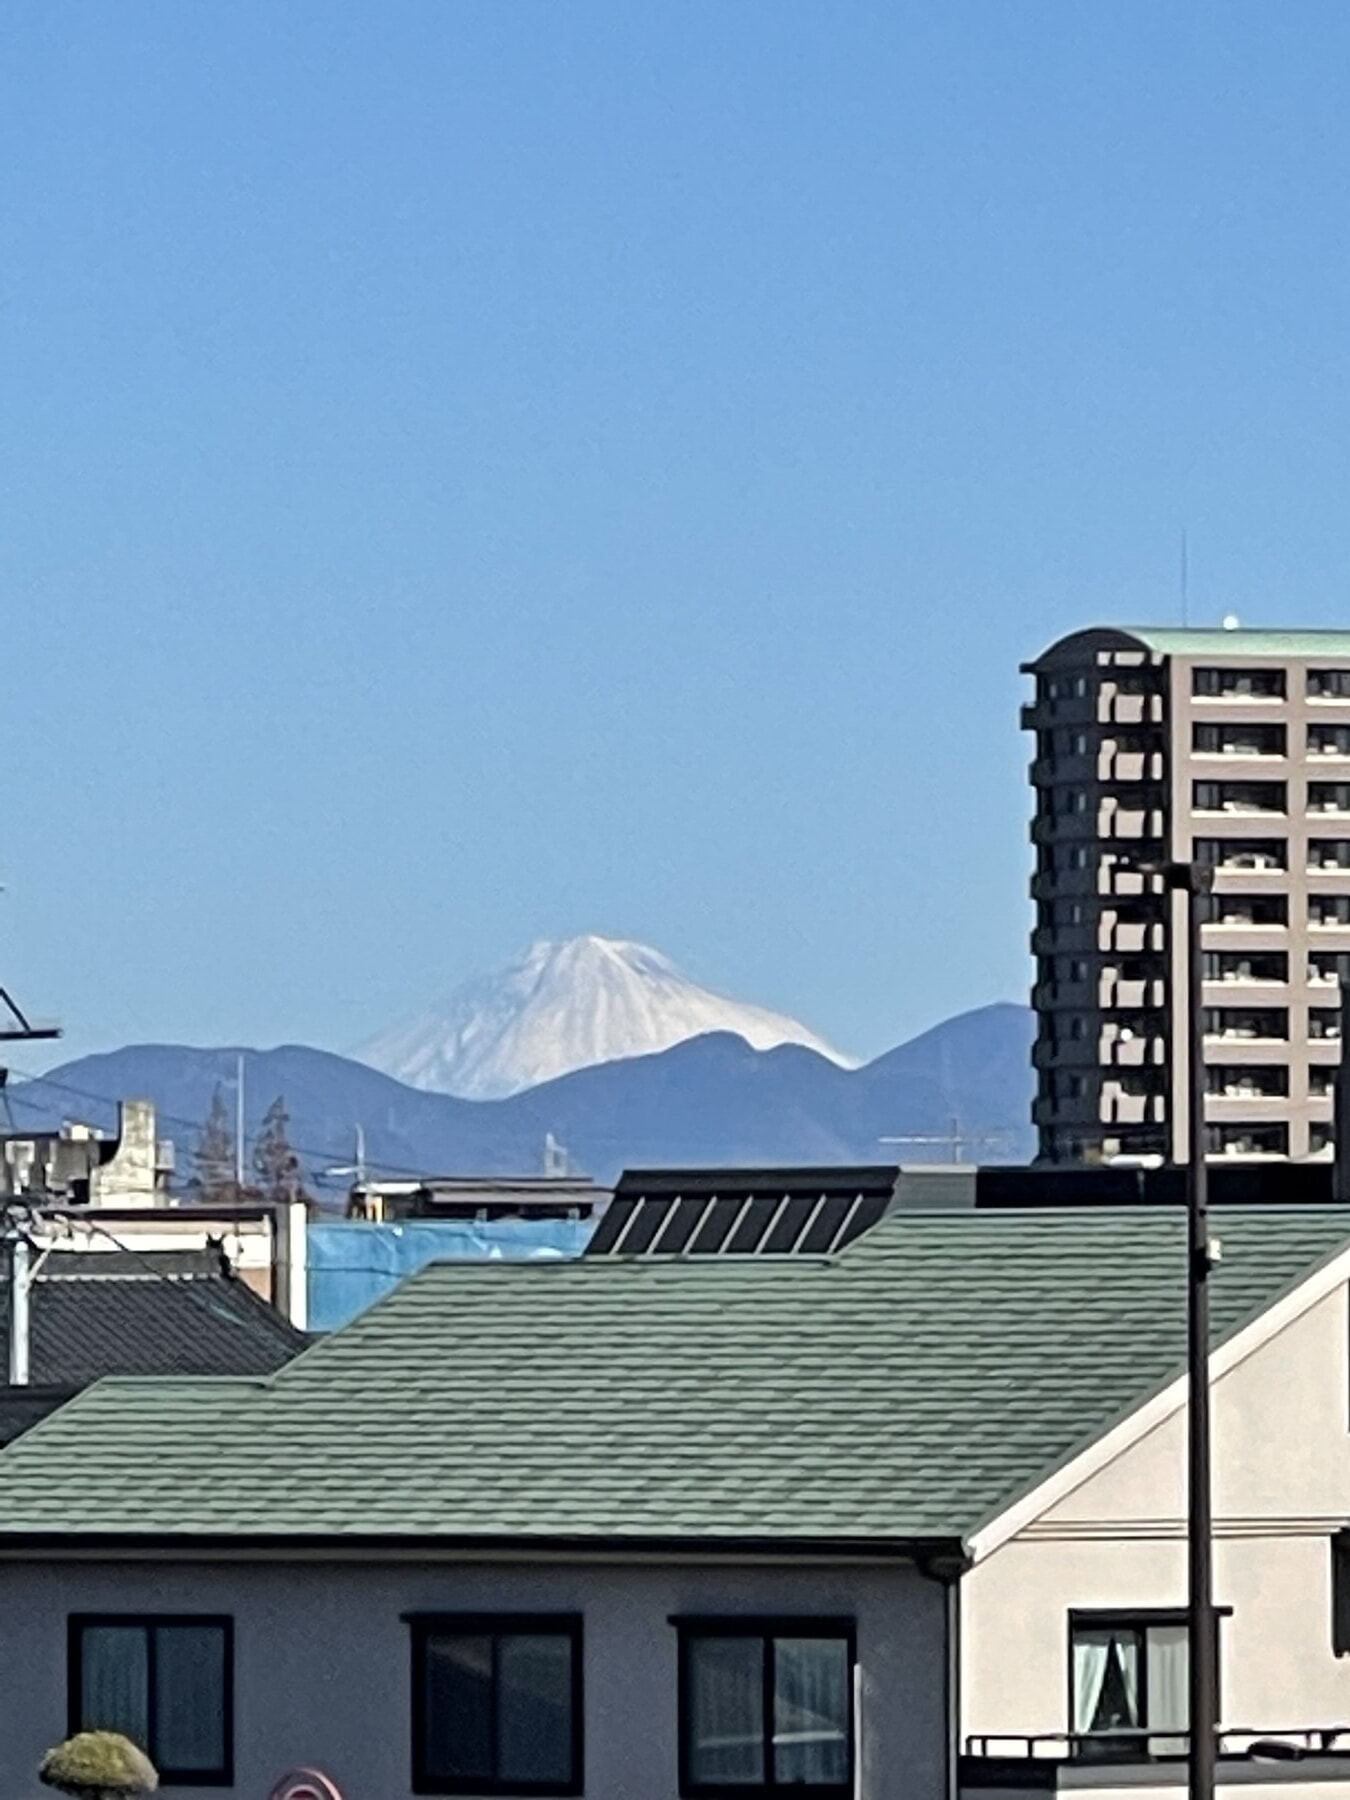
x=351, y=1264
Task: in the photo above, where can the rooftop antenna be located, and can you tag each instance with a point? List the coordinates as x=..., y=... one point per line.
x=1185, y=579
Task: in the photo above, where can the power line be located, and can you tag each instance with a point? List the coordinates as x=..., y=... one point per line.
x=192, y=1125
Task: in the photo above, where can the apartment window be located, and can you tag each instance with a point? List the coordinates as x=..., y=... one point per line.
x=1243, y=853
x=1324, y=965
x=1247, y=1140
x=1329, y=684
x=1329, y=853
x=1246, y=1081
x=166, y=1682
x=1324, y=1022
x=1238, y=684
x=1328, y=796
x=1329, y=740
x=1321, y=1080
x=1329, y=909
x=766, y=1706
x=1340, y=1593
x=1243, y=796
x=1246, y=965
x=1245, y=909
x=1238, y=740
x=1320, y=1137
x=496, y=1704
x=1247, y=1022
x=1129, y=1675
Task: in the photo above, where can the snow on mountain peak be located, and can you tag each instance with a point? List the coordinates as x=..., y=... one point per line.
x=566, y=1004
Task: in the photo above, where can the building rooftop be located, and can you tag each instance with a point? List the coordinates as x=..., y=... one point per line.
x=904, y=1391
x=1241, y=641
x=97, y=1313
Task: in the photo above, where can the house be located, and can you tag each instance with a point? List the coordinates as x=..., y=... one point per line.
x=639, y=1527
x=138, y=1313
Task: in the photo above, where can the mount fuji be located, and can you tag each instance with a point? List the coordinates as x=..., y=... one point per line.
x=563, y=1006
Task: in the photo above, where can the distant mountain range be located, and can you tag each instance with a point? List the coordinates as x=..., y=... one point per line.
x=563, y=1006
x=963, y=1089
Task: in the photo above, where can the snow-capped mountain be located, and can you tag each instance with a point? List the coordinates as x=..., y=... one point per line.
x=563, y=1006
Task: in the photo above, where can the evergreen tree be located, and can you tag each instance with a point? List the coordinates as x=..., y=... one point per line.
x=280, y=1175
x=213, y=1156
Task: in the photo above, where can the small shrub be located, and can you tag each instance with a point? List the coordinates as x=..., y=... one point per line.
x=98, y=1765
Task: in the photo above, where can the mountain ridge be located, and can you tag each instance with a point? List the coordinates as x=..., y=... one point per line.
x=708, y=1100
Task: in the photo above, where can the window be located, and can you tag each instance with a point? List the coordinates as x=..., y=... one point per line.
x=1324, y=1022
x=1320, y=1138
x=766, y=1706
x=1329, y=684
x=1321, y=1080
x=1329, y=740
x=1329, y=853
x=1239, y=740
x=1247, y=1022
x=1245, y=909
x=1340, y=1593
x=1246, y=1081
x=166, y=1682
x=1246, y=965
x=1247, y=1140
x=1329, y=909
x=1129, y=1674
x=1328, y=796
x=1240, y=796
x=1324, y=965
x=496, y=1704
x=1243, y=853
x=1238, y=684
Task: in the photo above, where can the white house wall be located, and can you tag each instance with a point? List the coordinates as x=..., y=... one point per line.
x=322, y=1660
x=1281, y=1423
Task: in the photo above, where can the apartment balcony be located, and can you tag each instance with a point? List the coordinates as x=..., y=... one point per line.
x=1129, y=709
x=1299, y=1763
x=1131, y=993
x=1127, y=937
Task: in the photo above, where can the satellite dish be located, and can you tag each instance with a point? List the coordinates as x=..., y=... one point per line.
x=1231, y=622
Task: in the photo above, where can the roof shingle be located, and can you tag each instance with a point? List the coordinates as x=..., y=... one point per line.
x=909, y=1388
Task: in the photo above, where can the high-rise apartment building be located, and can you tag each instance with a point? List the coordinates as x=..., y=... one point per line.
x=1230, y=747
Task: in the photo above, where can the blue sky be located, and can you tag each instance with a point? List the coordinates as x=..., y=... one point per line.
x=474, y=472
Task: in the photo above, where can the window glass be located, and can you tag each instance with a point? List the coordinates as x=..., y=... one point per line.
x=190, y=1698
x=767, y=1711
x=459, y=1735
x=496, y=1706
x=162, y=1682
x=726, y=1710
x=810, y=1711
x=115, y=1681
x=534, y=1708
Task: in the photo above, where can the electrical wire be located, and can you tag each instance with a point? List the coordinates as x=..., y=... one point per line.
x=15, y=1096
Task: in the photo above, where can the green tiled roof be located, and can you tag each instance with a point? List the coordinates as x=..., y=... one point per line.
x=912, y=1387
x=1241, y=642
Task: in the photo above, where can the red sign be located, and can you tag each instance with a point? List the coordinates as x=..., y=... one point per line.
x=305, y=1784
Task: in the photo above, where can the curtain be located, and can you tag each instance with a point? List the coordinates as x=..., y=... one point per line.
x=190, y=1698
x=811, y=1710
x=1089, y=1673
x=1168, y=1687
x=726, y=1725
x=115, y=1681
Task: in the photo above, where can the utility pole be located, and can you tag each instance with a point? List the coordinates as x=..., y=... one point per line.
x=20, y=1288
x=1188, y=884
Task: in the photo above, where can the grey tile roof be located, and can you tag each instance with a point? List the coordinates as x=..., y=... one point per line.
x=97, y=1313
x=910, y=1388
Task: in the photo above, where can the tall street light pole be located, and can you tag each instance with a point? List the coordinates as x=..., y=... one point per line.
x=1188, y=883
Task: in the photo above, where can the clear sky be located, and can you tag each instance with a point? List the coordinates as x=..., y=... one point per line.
x=473, y=472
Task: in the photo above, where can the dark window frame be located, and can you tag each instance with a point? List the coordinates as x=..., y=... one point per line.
x=1133, y=1746
x=494, y=1625
x=151, y=1623
x=766, y=1627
